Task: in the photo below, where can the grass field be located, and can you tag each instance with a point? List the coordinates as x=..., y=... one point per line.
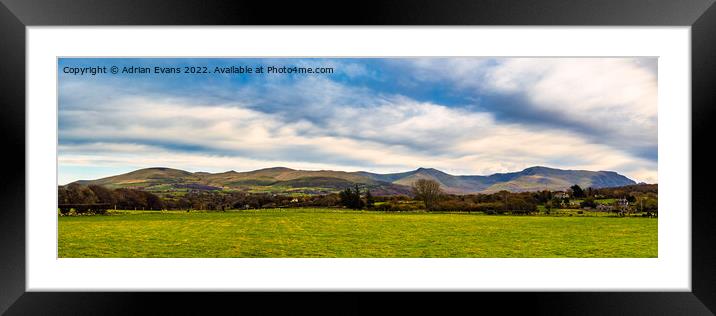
x=338, y=234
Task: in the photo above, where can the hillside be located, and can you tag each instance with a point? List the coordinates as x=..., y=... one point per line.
x=286, y=180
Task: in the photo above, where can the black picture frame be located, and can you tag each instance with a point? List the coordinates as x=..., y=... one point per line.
x=15, y=15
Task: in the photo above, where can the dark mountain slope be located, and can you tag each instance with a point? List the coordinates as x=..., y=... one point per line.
x=530, y=179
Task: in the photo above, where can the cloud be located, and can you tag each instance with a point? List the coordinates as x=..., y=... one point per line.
x=609, y=100
x=394, y=136
x=316, y=122
x=615, y=94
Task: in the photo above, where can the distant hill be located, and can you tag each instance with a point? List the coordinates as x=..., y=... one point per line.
x=286, y=180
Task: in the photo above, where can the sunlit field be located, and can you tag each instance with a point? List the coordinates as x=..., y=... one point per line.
x=330, y=233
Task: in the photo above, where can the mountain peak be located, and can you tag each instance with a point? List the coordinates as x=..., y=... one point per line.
x=538, y=168
x=159, y=170
x=430, y=171
x=278, y=169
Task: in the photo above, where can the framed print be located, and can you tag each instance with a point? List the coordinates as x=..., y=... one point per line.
x=507, y=152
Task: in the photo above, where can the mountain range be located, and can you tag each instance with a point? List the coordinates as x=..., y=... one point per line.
x=285, y=180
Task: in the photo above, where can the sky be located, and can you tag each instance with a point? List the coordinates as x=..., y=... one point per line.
x=464, y=116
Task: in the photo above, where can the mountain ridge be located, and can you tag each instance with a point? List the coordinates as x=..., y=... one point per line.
x=287, y=180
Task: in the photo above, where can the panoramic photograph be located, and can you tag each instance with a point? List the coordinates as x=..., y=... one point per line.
x=307, y=157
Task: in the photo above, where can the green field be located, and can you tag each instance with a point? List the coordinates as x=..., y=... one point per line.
x=337, y=234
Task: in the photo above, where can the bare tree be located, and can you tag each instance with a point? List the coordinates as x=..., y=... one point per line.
x=427, y=191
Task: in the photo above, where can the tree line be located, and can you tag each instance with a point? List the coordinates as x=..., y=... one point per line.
x=426, y=195
x=118, y=198
x=639, y=197
x=133, y=199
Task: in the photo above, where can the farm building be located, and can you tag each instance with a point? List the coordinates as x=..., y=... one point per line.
x=561, y=195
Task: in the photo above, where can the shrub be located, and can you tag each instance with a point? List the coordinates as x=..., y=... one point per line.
x=81, y=210
x=588, y=202
x=521, y=212
x=397, y=207
x=405, y=207
x=384, y=207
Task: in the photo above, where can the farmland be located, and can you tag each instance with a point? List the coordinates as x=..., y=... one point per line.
x=340, y=233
